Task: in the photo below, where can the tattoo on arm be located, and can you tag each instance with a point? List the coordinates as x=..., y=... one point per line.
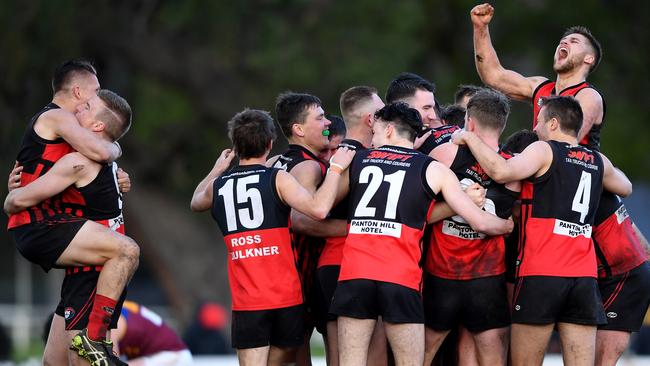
x=479, y=58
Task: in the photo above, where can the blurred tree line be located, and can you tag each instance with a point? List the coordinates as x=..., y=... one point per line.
x=187, y=66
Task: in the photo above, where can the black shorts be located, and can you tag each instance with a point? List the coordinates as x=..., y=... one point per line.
x=548, y=300
x=478, y=304
x=77, y=296
x=368, y=299
x=512, y=248
x=328, y=278
x=626, y=298
x=283, y=327
x=43, y=243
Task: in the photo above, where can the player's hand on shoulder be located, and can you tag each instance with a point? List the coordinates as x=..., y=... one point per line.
x=482, y=14
x=14, y=177
x=342, y=157
x=458, y=137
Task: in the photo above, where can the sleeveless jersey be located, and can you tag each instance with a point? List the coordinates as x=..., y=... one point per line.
x=146, y=333
x=390, y=202
x=458, y=252
x=557, y=214
x=618, y=249
x=547, y=88
x=99, y=200
x=439, y=136
x=333, y=250
x=307, y=249
x=255, y=225
x=37, y=155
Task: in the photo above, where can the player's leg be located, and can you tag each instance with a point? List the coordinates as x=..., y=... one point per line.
x=377, y=350
x=625, y=298
x=287, y=332
x=253, y=356
x=578, y=344
x=610, y=345
x=55, y=352
x=332, y=343
x=442, y=299
x=251, y=336
x=528, y=343
x=492, y=346
x=487, y=316
x=467, y=354
x=354, y=340
x=403, y=316
x=356, y=304
x=95, y=244
x=407, y=342
x=432, y=341
x=327, y=277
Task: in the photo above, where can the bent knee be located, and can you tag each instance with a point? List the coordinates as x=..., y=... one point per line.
x=129, y=248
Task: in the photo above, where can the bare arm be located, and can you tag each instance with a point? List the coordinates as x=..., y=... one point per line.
x=442, y=210
x=441, y=179
x=445, y=153
x=67, y=171
x=318, y=204
x=323, y=229
x=488, y=66
x=592, y=110
x=534, y=160
x=614, y=180
x=202, y=197
x=65, y=125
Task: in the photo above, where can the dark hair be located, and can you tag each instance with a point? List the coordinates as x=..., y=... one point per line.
x=405, y=85
x=407, y=120
x=351, y=98
x=69, y=69
x=116, y=116
x=519, y=141
x=337, y=126
x=465, y=90
x=453, y=114
x=595, y=45
x=566, y=110
x=292, y=108
x=489, y=108
x=251, y=131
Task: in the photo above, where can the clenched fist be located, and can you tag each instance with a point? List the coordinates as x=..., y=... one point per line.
x=482, y=14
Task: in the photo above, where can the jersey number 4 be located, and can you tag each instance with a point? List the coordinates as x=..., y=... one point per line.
x=395, y=180
x=250, y=218
x=582, y=196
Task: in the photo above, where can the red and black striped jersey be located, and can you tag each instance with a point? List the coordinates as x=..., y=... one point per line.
x=307, y=249
x=37, y=155
x=547, y=88
x=459, y=252
x=255, y=224
x=390, y=201
x=333, y=250
x=618, y=249
x=557, y=213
